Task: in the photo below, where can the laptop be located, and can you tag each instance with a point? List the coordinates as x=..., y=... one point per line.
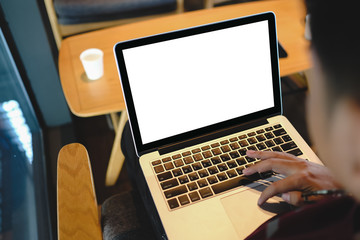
x=197, y=99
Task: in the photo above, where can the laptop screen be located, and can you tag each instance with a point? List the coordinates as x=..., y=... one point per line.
x=186, y=83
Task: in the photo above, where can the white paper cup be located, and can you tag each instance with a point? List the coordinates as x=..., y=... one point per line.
x=92, y=61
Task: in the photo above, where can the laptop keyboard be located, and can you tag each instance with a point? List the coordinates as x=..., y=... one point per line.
x=212, y=169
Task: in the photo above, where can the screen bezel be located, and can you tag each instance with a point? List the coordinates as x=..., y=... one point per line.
x=276, y=110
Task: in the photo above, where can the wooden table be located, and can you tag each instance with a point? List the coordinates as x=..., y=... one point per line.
x=104, y=96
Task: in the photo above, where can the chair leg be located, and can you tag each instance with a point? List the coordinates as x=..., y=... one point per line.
x=115, y=120
x=116, y=158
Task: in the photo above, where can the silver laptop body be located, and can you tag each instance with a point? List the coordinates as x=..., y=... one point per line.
x=197, y=99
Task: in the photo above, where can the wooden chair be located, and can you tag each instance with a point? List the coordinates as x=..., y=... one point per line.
x=80, y=216
x=61, y=31
x=78, y=211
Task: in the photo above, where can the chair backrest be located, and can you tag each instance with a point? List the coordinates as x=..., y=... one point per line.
x=49, y=5
x=78, y=215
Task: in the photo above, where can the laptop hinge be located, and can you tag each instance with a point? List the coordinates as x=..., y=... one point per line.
x=211, y=136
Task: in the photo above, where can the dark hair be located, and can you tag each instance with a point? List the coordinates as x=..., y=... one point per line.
x=335, y=32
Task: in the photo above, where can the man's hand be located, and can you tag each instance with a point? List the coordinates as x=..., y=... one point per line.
x=301, y=175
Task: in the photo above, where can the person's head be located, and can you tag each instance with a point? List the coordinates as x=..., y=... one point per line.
x=334, y=88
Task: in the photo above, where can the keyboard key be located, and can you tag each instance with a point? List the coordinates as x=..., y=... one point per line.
x=286, y=138
x=168, y=159
x=213, y=170
x=216, y=151
x=183, y=179
x=234, y=139
x=164, y=176
x=242, y=136
x=225, y=148
x=234, y=155
x=278, y=140
x=215, y=160
x=249, y=159
x=177, y=172
x=214, y=145
x=197, y=150
x=225, y=157
x=277, y=126
x=184, y=200
x=252, y=148
x=176, y=156
x=159, y=169
x=203, y=173
x=239, y=170
x=198, y=157
x=194, y=196
x=178, y=163
x=196, y=166
x=279, y=132
x=207, y=154
x=224, y=142
x=212, y=179
x=252, y=140
x=296, y=152
x=276, y=149
x=261, y=146
x=241, y=161
x=231, y=173
x=242, y=151
x=251, y=134
x=269, y=129
x=157, y=162
x=193, y=176
x=192, y=186
x=169, y=165
x=184, y=154
x=234, y=146
x=222, y=167
x=232, y=164
x=233, y=183
x=204, y=148
x=288, y=146
x=260, y=131
x=175, y=191
x=205, y=192
x=260, y=138
x=269, y=135
x=188, y=160
x=173, y=203
x=206, y=163
x=248, y=165
x=169, y=184
x=270, y=143
x=222, y=176
x=243, y=143
x=187, y=169
x=202, y=183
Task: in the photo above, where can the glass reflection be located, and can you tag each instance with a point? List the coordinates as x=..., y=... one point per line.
x=12, y=116
x=24, y=207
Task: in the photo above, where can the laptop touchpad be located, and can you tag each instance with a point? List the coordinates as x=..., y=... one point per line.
x=244, y=213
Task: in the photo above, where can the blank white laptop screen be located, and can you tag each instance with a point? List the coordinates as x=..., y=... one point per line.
x=191, y=82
